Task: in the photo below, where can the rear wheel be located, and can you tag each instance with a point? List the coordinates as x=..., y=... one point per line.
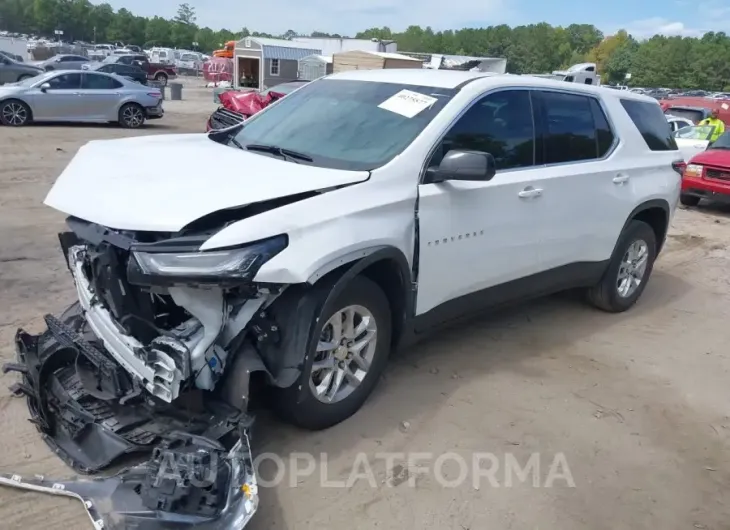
x=629, y=270
x=24, y=77
x=161, y=79
x=14, y=113
x=131, y=116
x=689, y=200
x=346, y=362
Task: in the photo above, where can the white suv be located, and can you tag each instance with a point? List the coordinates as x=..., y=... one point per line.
x=359, y=212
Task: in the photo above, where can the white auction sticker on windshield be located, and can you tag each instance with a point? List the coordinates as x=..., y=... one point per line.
x=408, y=103
x=724, y=106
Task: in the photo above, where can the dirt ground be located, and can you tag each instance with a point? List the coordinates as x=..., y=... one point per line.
x=637, y=403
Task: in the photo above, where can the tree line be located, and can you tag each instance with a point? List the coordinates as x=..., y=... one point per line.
x=673, y=62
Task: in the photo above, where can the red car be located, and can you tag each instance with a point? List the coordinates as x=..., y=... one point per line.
x=238, y=106
x=707, y=175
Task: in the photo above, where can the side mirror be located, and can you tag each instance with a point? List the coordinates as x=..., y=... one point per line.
x=463, y=165
x=45, y=86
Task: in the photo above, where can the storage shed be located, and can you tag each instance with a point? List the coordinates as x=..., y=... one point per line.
x=261, y=63
x=314, y=66
x=367, y=60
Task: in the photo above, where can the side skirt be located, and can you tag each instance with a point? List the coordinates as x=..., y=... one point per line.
x=574, y=275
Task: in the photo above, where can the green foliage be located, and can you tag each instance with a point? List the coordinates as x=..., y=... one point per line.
x=537, y=48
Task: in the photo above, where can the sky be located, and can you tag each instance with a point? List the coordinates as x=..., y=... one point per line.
x=642, y=18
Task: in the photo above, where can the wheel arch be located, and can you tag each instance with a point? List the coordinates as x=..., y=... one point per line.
x=297, y=308
x=655, y=213
x=20, y=100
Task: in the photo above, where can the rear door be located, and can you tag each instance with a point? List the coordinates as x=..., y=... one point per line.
x=100, y=93
x=587, y=189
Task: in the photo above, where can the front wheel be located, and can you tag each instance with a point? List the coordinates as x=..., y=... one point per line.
x=628, y=271
x=689, y=200
x=131, y=116
x=14, y=113
x=345, y=364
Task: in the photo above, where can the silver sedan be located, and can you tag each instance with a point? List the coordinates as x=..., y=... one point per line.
x=73, y=96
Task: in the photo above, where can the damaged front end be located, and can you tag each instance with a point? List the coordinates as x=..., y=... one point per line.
x=190, y=482
x=137, y=366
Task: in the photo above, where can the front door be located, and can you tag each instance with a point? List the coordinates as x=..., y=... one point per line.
x=61, y=101
x=477, y=235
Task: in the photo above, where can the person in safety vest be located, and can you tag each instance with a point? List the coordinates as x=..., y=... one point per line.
x=715, y=122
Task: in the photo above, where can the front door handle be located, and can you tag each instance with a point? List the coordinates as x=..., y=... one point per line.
x=529, y=192
x=620, y=179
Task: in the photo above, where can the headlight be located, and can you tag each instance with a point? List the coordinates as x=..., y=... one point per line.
x=235, y=265
x=693, y=170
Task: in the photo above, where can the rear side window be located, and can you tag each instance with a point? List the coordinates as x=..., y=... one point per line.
x=652, y=124
x=604, y=134
x=100, y=82
x=569, y=131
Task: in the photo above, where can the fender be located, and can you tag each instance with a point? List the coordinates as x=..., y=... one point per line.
x=653, y=203
x=297, y=311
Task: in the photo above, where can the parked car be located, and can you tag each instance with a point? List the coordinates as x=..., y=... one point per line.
x=12, y=71
x=79, y=96
x=707, y=175
x=353, y=216
x=693, y=140
x=160, y=73
x=135, y=73
x=238, y=106
x=12, y=56
x=63, y=62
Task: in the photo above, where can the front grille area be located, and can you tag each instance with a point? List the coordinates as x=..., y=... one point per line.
x=223, y=118
x=718, y=174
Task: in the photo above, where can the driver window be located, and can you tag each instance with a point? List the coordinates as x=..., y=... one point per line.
x=65, y=82
x=500, y=124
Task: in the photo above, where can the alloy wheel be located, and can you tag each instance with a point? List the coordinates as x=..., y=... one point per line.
x=132, y=116
x=14, y=113
x=345, y=351
x=632, y=269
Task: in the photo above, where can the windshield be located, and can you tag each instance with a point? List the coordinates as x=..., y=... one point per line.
x=700, y=132
x=721, y=143
x=346, y=124
x=284, y=88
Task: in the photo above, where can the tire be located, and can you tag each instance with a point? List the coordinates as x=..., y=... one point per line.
x=14, y=113
x=299, y=404
x=131, y=116
x=161, y=79
x=607, y=295
x=24, y=77
x=689, y=200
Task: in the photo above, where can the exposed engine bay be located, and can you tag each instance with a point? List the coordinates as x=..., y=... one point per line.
x=137, y=365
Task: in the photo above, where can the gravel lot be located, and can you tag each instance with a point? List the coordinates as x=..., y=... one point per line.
x=637, y=403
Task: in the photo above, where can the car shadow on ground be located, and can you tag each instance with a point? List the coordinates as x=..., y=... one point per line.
x=422, y=378
x=717, y=209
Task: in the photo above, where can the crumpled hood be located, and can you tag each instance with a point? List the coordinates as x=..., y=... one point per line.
x=162, y=183
x=247, y=103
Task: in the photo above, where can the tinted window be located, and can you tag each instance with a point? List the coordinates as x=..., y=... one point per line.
x=341, y=124
x=65, y=82
x=500, y=124
x=100, y=82
x=570, y=134
x=652, y=124
x=722, y=143
x=107, y=68
x=73, y=58
x=604, y=135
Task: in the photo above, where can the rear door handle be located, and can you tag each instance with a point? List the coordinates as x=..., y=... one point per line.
x=620, y=179
x=529, y=192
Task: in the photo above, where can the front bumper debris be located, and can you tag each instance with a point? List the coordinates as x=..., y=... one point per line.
x=87, y=408
x=190, y=482
x=91, y=413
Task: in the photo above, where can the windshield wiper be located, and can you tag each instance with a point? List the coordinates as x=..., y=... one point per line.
x=288, y=154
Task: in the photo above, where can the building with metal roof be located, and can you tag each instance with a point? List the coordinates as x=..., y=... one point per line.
x=260, y=62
